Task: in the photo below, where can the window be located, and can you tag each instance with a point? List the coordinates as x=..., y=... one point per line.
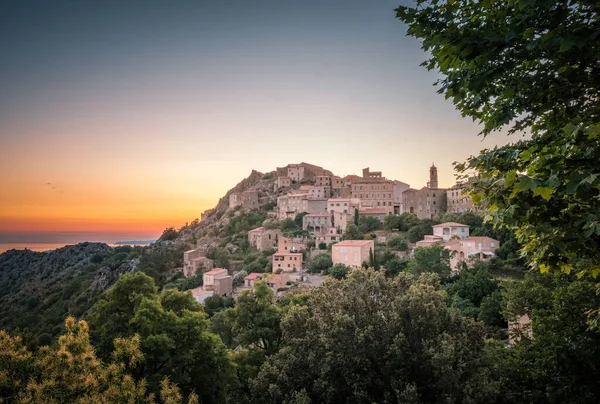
x=469, y=244
x=492, y=244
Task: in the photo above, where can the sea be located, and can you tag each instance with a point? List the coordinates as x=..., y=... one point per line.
x=42, y=247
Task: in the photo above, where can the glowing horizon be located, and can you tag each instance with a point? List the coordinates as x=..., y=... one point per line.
x=114, y=121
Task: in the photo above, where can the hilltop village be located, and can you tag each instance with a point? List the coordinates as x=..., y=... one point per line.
x=329, y=208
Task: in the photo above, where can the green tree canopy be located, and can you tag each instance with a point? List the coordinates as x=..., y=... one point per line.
x=379, y=341
x=368, y=223
x=530, y=67
x=398, y=243
x=434, y=259
x=175, y=341
x=320, y=262
x=353, y=233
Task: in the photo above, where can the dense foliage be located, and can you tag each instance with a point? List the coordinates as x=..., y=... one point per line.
x=174, y=337
x=531, y=67
x=379, y=341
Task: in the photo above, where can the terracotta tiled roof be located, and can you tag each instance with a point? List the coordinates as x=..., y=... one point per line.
x=257, y=229
x=353, y=243
x=253, y=276
x=216, y=271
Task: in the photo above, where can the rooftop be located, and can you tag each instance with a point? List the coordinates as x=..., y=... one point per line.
x=254, y=275
x=287, y=253
x=257, y=229
x=216, y=271
x=276, y=278
x=451, y=224
x=353, y=243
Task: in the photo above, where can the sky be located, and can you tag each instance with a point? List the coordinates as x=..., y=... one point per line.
x=119, y=119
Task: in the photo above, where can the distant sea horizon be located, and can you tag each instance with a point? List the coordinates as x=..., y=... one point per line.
x=41, y=247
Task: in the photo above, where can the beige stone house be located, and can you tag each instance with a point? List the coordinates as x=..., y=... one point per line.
x=247, y=199
x=277, y=281
x=375, y=193
x=398, y=189
x=449, y=230
x=287, y=244
x=263, y=239
x=458, y=200
x=194, y=262
x=352, y=252
x=430, y=241
x=317, y=222
x=209, y=277
x=252, y=278
x=471, y=248
x=287, y=261
x=425, y=203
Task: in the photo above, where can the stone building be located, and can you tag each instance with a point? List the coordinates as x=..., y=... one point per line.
x=195, y=261
x=459, y=201
x=317, y=222
x=263, y=239
x=428, y=201
x=247, y=199
x=352, y=252
x=399, y=188
x=287, y=261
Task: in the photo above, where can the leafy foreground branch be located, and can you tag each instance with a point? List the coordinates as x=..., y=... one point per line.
x=70, y=372
x=529, y=67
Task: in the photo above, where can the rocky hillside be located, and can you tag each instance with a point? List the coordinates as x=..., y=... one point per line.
x=38, y=290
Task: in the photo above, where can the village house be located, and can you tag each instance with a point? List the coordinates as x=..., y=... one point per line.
x=374, y=191
x=323, y=180
x=284, y=182
x=464, y=250
x=194, y=261
x=343, y=205
x=331, y=237
x=247, y=199
x=352, y=252
x=458, y=201
x=287, y=261
x=315, y=191
x=449, y=230
x=263, y=239
x=274, y=281
x=252, y=278
x=287, y=244
x=208, y=279
x=317, y=222
x=430, y=241
x=216, y=282
x=340, y=221
x=277, y=281
x=399, y=188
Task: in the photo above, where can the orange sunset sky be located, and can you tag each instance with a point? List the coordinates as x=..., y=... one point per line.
x=116, y=123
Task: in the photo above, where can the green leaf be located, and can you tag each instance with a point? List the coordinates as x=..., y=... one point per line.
x=565, y=45
x=544, y=192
